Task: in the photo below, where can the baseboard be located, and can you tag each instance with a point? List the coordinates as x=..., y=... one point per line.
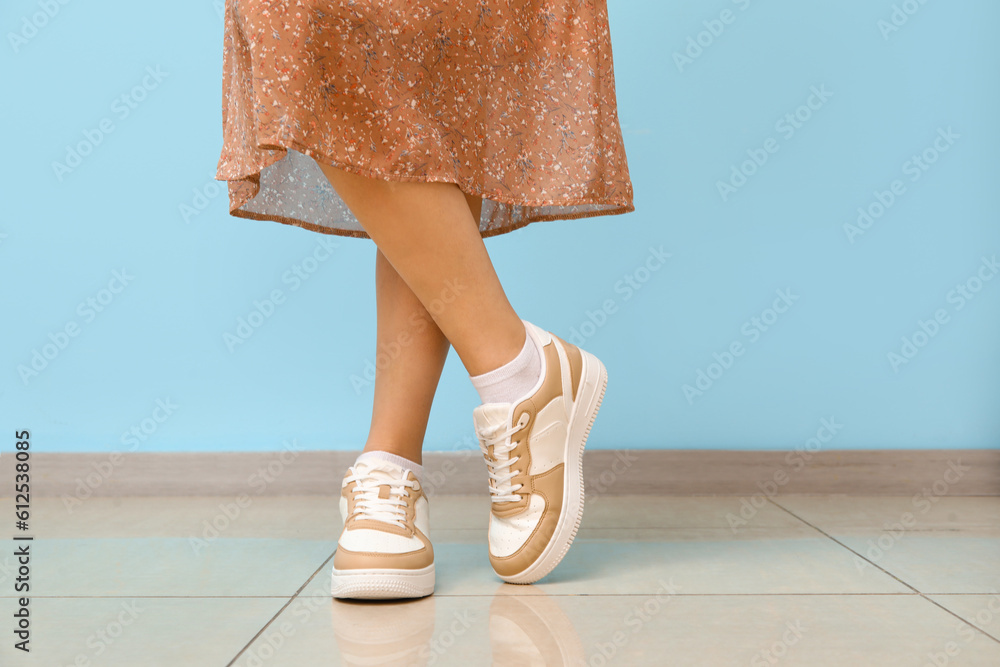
x=967, y=472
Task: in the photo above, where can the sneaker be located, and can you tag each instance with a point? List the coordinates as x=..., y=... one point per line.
x=383, y=551
x=534, y=451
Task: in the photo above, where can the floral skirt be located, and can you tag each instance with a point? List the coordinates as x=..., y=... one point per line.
x=511, y=100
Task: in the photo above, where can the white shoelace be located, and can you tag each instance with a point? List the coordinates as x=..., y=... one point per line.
x=499, y=465
x=368, y=504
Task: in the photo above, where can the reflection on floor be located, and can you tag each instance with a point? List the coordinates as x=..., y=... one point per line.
x=700, y=580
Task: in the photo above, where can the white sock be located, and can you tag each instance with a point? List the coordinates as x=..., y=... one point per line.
x=405, y=464
x=512, y=380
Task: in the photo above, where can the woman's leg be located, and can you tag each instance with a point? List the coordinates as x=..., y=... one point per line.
x=429, y=234
x=412, y=351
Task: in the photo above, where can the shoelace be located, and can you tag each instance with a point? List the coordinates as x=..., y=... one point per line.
x=499, y=465
x=368, y=504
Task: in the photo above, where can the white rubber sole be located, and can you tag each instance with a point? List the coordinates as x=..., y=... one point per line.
x=584, y=412
x=383, y=584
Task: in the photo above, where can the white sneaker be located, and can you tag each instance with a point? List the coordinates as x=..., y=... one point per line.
x=383, y=551
x=534, y=451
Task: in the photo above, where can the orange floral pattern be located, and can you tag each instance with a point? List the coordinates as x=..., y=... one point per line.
x=512, y=100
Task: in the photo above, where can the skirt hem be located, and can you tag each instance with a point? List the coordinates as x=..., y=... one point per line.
x=619, y=207
x=353, y=233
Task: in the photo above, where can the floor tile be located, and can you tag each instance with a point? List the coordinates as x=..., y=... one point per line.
x=506, y=628
x=923, y=512
x=171, y=567
x=701, y=580
x=128, y=632
x=777, y=560
x=936, y=544
x=932, y=561
x=980, y=611
x=280, y=517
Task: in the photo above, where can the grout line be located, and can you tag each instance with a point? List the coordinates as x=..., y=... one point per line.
x=918, y=592
x=955, y=614
x=823, y=532
x=279, y=612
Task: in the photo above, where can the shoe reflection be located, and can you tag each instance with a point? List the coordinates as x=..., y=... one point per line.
x=526, y=628
x=388, y=633
x=531, y=630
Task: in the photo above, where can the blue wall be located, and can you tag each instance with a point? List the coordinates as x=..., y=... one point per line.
x=885, y=98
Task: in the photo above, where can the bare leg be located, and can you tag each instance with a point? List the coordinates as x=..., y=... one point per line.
x=413, y=351
x=427, y=232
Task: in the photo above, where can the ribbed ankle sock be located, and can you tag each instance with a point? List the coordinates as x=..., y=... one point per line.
x=406, y=464
x=512, y=380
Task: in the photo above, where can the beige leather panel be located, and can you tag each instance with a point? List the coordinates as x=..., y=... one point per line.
x=550, y=390
x=363, y=560
x=549, y=485
x=575, y=364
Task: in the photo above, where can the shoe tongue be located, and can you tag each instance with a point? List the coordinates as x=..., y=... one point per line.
x=491, y=416
x=381, y=471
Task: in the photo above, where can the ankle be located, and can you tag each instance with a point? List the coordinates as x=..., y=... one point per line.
x=513, y=379
x=501, y=350
x=408, y=454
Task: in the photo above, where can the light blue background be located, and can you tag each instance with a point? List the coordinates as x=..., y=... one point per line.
x=826, y=357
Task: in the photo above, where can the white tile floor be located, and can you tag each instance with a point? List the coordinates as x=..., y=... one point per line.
x=800, y=580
